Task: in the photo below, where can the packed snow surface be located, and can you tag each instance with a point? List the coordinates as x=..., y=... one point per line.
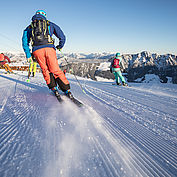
x=121, y=131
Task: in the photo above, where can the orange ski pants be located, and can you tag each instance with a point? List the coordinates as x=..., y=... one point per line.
x=7, y=67
x=47, y=60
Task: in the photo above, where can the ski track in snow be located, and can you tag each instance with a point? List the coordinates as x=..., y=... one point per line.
x=120, y=132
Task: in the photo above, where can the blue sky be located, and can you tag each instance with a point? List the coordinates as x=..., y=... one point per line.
x=127, y=26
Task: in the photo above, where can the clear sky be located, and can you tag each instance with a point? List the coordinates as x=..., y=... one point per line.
x=127, y=26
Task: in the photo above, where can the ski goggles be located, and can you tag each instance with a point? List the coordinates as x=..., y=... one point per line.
x=41, y=13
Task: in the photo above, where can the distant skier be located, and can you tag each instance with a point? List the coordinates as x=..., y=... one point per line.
x=32, y=67
x=40, y=33
x=4, y=64
x=115, y=68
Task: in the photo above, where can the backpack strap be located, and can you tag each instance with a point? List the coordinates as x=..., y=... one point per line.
x=48, y=24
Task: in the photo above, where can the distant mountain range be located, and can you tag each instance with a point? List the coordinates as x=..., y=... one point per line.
x=136, y=65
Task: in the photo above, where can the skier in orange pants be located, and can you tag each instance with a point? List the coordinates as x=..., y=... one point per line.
x=40, y=34
x=3, y=63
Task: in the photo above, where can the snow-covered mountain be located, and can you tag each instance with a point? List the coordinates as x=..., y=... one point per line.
x=147, y=59
x=97, y=65
x=140, y=59
x=146, y=63
x=121, y=131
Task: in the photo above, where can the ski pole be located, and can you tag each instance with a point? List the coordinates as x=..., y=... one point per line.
x=73, y=72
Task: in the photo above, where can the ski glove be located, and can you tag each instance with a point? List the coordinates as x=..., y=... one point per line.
x=30, y=60
x=58, y=47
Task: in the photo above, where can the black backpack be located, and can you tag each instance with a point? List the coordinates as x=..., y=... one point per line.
x=40, y=33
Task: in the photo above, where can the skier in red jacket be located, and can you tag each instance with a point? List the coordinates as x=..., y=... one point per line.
x=115, y=68
x=3, y=62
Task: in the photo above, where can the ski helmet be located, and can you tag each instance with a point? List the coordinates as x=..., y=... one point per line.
x=118, y=54
x=41, y=12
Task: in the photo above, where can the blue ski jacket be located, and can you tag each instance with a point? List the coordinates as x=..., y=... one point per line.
x=53, y=29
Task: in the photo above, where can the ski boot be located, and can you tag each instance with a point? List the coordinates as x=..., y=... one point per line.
x=57, y=94
x=8, y=72
x=69, y=94
x=29, y=73
x=124, y=84
x=118, y=83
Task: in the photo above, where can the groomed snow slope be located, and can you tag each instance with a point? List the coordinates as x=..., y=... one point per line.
x=121, y=131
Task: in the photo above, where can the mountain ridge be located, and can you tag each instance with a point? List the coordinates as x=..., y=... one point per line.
x=136, y=65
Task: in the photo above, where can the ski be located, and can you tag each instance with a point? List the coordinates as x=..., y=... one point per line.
x=77, y=102
x=6, y=73
x=121, y=85
x=116, y=84
x=73, y=100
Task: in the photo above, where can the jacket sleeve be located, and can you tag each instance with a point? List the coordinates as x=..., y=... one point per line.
x=26, y=41
x=59, y=34
x=7, y=58
x=122, y=64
